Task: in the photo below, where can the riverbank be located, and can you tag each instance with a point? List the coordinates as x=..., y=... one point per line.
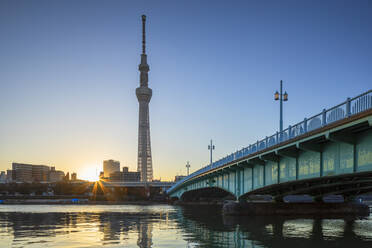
x=74, y=201
x=199, y=203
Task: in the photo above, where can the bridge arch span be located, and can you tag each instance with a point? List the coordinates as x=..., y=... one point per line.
x=209, y=193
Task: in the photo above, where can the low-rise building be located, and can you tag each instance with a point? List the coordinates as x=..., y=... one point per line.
x=73, y=176
x=56, y=175
x=177, y=178
x=29, y=173
x=110, y=166
x=125, y=176
x=131, y=176
x=116, y=176
x=22, y=172
x=40, y=173
x=9, y=176
x=2, y=177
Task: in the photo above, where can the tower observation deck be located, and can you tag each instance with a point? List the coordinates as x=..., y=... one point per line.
x=144, y=94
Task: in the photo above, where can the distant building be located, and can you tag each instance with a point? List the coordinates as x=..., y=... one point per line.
x=116, y=176
x=28, y=173
x=177, y=178
x=2, y=177
x=73, y=176
x=55, y=175
x=40, y=173
x=9, y=176
x=110, y=166
x=125, y=176
x=131, y=176
x=22, y=172
x=67, y=177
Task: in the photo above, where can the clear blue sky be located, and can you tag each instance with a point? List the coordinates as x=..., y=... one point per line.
x=69, y=69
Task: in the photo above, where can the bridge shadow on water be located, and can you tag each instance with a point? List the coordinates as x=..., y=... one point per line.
x=210, y=228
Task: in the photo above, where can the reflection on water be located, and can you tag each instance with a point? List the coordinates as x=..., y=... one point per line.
x=275, y=231
x=84, y=226
x=168, y=226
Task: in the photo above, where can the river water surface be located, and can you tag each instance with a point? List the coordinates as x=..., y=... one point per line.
x=170, y=226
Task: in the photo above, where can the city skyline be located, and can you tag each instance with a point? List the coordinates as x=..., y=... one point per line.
x=66, y=84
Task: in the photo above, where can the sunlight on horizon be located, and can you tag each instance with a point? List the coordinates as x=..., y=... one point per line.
x=90, y=173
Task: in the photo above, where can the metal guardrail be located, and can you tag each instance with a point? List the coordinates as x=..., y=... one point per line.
x=341, y=111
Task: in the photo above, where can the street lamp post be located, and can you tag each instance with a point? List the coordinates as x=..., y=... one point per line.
x=188, y=167
x=211, y=147
x=281, y=97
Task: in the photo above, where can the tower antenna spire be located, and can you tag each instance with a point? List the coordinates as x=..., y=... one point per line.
x=143, y=34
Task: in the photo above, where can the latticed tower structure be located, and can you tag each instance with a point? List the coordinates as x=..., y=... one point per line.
x=144, y=94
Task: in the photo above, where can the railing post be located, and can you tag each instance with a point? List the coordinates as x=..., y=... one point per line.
x=324, y=115
x=289, y=132
x=305, y=125
x=257, y=146
x=348, y=107
x=266, y=142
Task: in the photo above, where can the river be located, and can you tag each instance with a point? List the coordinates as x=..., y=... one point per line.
x=171, y=226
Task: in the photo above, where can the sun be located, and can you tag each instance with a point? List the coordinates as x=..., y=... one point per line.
x=89, y=173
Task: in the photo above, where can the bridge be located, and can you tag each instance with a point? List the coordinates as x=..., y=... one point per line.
x=329, y=153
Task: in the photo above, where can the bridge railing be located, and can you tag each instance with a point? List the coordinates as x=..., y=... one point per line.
x=341, y=111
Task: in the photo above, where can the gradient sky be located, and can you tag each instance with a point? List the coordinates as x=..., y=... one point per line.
x=69, y=69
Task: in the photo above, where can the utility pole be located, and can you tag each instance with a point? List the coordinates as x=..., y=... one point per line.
x=211, y=147
x=188, y=167
x=281, y=97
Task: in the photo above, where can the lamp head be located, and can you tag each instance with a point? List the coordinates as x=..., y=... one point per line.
x=276, y=96
x=285, y=96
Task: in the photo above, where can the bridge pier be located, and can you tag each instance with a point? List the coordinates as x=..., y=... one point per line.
x=279, y=199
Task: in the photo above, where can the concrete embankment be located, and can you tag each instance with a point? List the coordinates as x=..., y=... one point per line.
x=199, y=203
x=311, y=208
x=74, y=201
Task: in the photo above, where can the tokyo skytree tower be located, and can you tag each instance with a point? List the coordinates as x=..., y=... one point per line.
x=144, y=94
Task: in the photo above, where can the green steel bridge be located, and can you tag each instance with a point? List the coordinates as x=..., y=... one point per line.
x=327, y=154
